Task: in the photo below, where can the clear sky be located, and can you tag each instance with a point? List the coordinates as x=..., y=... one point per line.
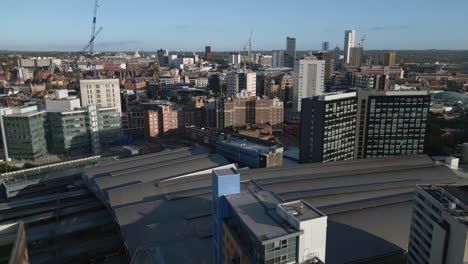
x=189, y=25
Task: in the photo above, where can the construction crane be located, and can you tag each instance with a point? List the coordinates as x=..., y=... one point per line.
x=248, y=50
x=361, y=43
x=90, y=45
x=93, y=29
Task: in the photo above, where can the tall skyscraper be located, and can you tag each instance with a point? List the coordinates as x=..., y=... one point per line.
x=325, y=46
x=278, y=58
x=438, y=231
x=309, y=80
x=208, y=53
x=102, y=93
x=389, y=58
x=348, y=44
x=356, y=56
x=290, y=52
x=391, y=123
x=328, y=127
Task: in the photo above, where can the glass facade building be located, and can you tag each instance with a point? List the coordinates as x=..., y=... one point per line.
x=25, y=134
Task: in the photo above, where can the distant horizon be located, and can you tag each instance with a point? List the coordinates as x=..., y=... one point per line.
x=65, y=26
x=213, y=51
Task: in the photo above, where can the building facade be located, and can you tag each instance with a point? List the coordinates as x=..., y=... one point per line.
x=234, y=59
x=279, y=86
x=356, y=56
x=24, y=130
x=309, y=80
x=389, y=58
x=391, y=123
x=289, y=232
x=328, y=127
x=278, y=58
x=290, y=55
x=348, y=44
x=82, y=131
x=102, y=93
x=325, y=46
x=236, y=81
x=208, y=53
x=439, y=232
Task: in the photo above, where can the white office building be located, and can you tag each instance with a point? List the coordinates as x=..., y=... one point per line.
x=439, y=232
x=266, y=60
x=309, y=80
x=348, y=44
x=236, y=81
x=102, y=93
x=234, y=59
x=62, y=102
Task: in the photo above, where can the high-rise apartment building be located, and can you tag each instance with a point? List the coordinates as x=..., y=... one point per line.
x=348, y=44
x=208, y=53
x=439, y=229
x=23, y=131
x=278, y=58
x=356, y=56
x=290, y=55
x=234, y=59
x=309, y=80
x=391, y=123
x=389, y=58
x=252, y=225
x=241, y=80
x=102, y=93
x=325, y=46
x=328, y=127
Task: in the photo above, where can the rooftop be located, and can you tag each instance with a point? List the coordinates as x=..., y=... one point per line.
x=257, y=210
x=301, y=210
x=250, y=144
x=368, y=203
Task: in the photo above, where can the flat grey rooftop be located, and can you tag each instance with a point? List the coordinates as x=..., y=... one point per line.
x=240, y=143
x=301, y=210
x=368, y=204
x=257, y=210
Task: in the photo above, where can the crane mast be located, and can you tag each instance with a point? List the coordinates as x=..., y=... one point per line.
x=93, y=28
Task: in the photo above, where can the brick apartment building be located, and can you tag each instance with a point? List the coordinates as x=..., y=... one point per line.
x=135, y=84
x=243, y=110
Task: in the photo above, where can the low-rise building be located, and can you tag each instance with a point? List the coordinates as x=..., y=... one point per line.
x=249, y=151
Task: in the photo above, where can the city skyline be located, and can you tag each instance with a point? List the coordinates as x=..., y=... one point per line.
x=148, y=27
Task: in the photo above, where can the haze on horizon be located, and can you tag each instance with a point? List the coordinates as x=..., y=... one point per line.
x=57, y=25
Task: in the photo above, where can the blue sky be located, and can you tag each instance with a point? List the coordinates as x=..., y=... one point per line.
x=225, y=25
